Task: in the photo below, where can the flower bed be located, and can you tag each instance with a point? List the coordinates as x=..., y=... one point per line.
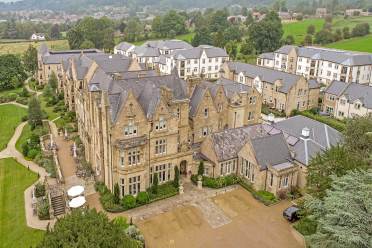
x=265, y=197
x=216, y=183
x=107, y=198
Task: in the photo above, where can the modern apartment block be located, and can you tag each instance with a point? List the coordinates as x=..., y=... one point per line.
x=343, y=100
x=322, y=64
x=166, y=55
x=280, y=90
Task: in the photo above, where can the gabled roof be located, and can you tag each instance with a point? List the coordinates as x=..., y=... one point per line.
x=336, y=88
x=146, y=51
x=363, y=93
x=266, y=74
x=168, y=44
x=196, y=52
x=270, y=56
x=124, y=46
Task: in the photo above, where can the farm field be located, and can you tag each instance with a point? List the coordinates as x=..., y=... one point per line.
x=19, y=46
x=14, y=179
x=299, y=29
x=361, y=44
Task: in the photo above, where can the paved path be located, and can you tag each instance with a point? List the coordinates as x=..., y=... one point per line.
x=38, y=93
x=15, y=103
x=11, y=152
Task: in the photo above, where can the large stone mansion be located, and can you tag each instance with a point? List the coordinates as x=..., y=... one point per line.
x=135, y=121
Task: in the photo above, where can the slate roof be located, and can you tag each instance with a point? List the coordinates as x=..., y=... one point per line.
x=363, y=93
x=57, y=57
x=124, y=46
x=146, y=51
x=336, y=87
x=169, y=44
x=43, y=49
x=147, y=91
x=229, y=87
x=321, y=138
x=270, y=56
x=266, y=74
x=347, y=58
x=196, y=52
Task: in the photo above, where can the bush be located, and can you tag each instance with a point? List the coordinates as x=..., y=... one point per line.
x=32, y=153
x=165, y=190
x=107, y=198
x=265, y=197
x=306, y=226
x=216, y=183
x=122, y=222
x=332, y=122
x=24, y=118
x=142, y=198
x=43, y=209
x=128, y=202
x=39, y=190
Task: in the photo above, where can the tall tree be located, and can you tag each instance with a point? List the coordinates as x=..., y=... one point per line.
x=55, y=32
x=75, y=38
x=232, y=49
x=35, y=115
x=30, y=59
x=87, y=228
x=202, y=36
x=266, y=35
x=12, y=72
x=345, y=215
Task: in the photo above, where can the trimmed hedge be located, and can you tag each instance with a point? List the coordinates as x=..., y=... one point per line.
x=216, y=183
x=165, y=190
x=267, y=198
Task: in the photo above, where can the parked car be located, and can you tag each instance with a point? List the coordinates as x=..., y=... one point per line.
x=291, y=213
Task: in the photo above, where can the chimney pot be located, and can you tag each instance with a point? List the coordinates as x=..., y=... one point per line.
x=305, y=132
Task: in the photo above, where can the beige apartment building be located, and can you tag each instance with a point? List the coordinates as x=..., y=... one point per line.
x=280, y=90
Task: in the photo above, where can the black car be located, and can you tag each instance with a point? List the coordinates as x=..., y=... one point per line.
x=291, y=213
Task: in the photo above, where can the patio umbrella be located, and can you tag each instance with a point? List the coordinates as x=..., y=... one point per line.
x=77, y=202
x=75, y=191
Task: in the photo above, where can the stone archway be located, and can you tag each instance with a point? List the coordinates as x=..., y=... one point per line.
x=183, y=167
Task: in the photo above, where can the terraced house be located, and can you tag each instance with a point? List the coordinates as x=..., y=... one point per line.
x=322, y=64
x=272, y=157
x=280, y=90
x=343, y=100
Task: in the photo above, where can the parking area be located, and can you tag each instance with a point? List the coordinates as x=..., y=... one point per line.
x=240, y=221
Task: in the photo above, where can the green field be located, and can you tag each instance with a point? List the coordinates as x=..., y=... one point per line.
x=18, y=47
x=14, y=179
x=49, y=110
x=361, y=44
x=298, y=29
x=10, y=117
x=7, y=92
x=26, y=134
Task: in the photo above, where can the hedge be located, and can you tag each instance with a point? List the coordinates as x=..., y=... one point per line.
x=165, y=190
x=265, y=197
x=216, y=183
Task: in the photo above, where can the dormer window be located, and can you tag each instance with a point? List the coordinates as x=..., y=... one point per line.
x=252, y=100
x=206, y=112
x=357, y=106
x=130, y=129
x=162, y=124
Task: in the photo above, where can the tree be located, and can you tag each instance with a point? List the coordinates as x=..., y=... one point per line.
x=35, y=115
x=323, y=37
x=219, y=40
x=249, y=19
x=289, y=40
x=53, y=81
x=247, y=48
x=311, y=29
x=12, y=71
x=266, y=35
x=308, y=40
x=10, y=30
x=346, y=32
x=87, y=228
x=155, y=183
x=335, y=161
x=218, y=21
x=55, y=32
x=344, y=216
x=176, y=180
x=232, y=49
x=108, y=39
x=87, y=44
x=30, y=59
x=75, y=38
x=233, y=33
x=361, y=29
x=116, y=193
x=134, y=29
x=201, y=168
x=337, y=35
x=202, y=36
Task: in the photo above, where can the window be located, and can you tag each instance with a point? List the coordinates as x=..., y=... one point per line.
x=252, y=100
x=162, y=124
x=134, y=157
x=271, y=179
x=228, y=167
x=329, y=110
x=160, y=146
x=340, y=113
x=342, y=101
x=285, y=182
x=130, y=129
x=299, y=67
x=203, y=61
x=206, y=112
x=188, y=61
x=328, y=73
x=178, y=113
x=250, y=116
x=122, y=186
x=205, y=131
x=163, y=171
x=331, y=97
x=195, y=69
x=241, y=79
x=357, y=106
x=195, y=61
x=122, y=158
x=300, y=92
x=210, y=60
x=134, y=185
x=209, y=68
x=216, y=67
x=220, y=107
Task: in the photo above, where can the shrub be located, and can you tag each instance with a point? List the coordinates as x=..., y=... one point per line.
x=266, y=197
x=129, y=201
x=155, y=183
x=43, y=209
x=24, y=118
x=39, y=190
x=122, y=222
x=201, y=168
x=176, y=177
x=25, y=149
x=116, y=193
x=306, y=226
x=282, y=194
x=142, y=198
x=216, y=183
x=32, y=153
x=165, y=190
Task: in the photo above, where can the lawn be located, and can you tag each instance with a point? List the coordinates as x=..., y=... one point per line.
x=361, y=44
x=10, y=117
x=11, y=91
x=26, y=134
x=19, y=47
x=14, y=179
x=298, y=29
x=49, y=110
